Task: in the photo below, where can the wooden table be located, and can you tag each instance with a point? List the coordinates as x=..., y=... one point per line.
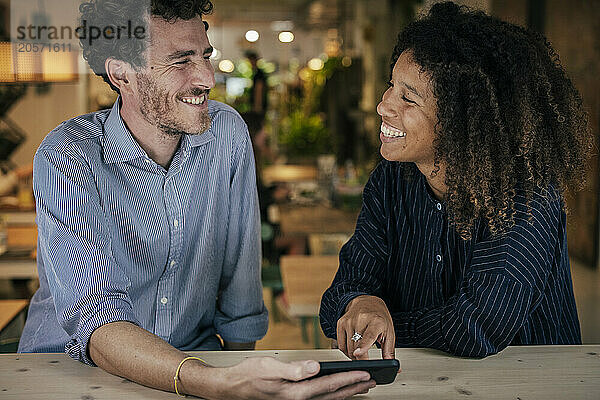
x=288, y=173
x=301, y=220
x=533, y=372
x=18, y=268
x=21, y=239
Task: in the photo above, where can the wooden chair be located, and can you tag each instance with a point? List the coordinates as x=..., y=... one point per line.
x=12, y=320
x=305, y=278
x=326, y=243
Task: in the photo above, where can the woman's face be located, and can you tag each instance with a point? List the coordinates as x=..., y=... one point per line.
x=408, y=111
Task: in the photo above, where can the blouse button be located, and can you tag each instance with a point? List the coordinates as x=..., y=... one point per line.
x=438, y=258
x=439, y=206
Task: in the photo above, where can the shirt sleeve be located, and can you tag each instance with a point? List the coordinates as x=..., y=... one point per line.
x=241, y=316
x=88, y=287
x=502, y=285
x=362, y=258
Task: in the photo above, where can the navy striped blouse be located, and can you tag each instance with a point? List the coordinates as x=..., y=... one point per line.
x=469, y=298
x=174, y=251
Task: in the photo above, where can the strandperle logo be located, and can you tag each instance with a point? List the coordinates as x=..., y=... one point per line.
x=61, y=22
x=82, y=32
x=46, y=36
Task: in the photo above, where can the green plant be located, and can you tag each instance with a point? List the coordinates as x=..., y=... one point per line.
x=304, y=135
x=303, y=131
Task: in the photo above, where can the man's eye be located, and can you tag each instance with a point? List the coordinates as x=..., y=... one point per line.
x=390, y=84
x=406, y=99
x=181, y=62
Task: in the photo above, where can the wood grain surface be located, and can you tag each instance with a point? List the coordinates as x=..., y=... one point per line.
x=531, y=372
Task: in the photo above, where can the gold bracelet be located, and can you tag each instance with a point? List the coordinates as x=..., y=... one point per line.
x=176, y=377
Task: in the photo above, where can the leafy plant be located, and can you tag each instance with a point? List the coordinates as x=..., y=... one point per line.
x=305, y=135
x=303, y=131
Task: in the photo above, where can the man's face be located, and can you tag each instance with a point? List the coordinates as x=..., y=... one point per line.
x=174, y=85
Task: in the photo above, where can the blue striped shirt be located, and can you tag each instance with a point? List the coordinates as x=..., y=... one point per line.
x=174, y=251
x=469, y=298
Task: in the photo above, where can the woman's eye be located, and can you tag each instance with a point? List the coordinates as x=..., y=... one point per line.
x=406, y=99
x=390, y=84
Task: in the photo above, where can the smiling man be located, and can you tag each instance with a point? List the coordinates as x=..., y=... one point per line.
x=149, y=223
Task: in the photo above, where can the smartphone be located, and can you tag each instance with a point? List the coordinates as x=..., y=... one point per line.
x=382, y=371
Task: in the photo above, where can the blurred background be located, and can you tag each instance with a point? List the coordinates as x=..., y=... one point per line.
x=306, y=75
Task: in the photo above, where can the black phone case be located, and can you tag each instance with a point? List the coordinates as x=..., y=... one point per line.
x=382, y=371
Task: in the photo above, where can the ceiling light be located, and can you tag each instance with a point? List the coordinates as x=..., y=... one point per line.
x=252, y=35
x=226, y=66
x=315, y=64
x=286, y=37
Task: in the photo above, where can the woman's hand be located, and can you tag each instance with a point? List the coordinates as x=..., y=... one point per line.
x=368, y=316
x=268, y=378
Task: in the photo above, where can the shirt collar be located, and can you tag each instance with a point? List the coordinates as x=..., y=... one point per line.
x=205, y=137
x=120, y=146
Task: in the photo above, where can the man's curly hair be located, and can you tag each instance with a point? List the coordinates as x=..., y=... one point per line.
x=114, y=13
x=509, y=119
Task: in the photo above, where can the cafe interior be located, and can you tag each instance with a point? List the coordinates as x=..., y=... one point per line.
x=324, y=66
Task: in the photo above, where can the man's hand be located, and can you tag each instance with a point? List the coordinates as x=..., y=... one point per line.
x=126, y=350
x=268, y=378
x=368, y=316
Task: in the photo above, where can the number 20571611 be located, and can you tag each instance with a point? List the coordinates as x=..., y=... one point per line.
x=41, y=47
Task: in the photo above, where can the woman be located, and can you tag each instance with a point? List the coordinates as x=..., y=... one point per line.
x=461, y=242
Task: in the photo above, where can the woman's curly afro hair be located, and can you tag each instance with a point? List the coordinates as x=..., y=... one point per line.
x=509, y=119
x=115, y=13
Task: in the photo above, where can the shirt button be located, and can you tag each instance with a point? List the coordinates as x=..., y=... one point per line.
x=164, y=300
x=148, y=161
x=175, y=223
x=438, y=258
x=172, y=263
x=439, y=206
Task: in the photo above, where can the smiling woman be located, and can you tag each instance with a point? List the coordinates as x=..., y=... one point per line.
x=461, y=241
x=409, y=113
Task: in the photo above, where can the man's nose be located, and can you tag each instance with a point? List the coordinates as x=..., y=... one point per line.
x=203, y=75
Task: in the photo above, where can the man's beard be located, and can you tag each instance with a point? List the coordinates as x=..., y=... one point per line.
x=157, y=109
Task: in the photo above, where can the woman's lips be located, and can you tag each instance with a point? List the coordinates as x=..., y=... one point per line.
x=390, y=134
x=385, y=139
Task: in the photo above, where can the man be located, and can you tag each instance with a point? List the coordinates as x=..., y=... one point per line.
x=258, y=91
x=149, y=225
